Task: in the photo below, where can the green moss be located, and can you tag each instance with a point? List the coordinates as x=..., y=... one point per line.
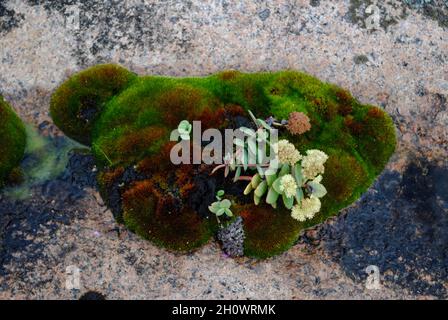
x=12, y=142
x=268, y=232
x=78, y=101
x=132, y=129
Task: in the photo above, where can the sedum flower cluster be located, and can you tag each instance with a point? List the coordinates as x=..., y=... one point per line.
x=306, y=209
x=288, y=185
x=287, y=152
x=313, y=163
x=294, y=178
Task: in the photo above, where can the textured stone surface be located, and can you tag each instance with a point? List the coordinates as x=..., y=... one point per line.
x=399, y=225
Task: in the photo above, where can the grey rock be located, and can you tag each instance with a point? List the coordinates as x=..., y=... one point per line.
x=232, y=238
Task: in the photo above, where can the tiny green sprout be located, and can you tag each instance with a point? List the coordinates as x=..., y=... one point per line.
x=219, y=194
x=184, y=129
x=221, y=207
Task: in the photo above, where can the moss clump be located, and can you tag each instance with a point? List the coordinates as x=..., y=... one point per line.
x=165, y=203
x=78, y=101
x=152, y=215
x=12, y=142
x=268, y=232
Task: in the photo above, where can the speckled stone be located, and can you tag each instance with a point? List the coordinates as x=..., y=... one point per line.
x=403, y=69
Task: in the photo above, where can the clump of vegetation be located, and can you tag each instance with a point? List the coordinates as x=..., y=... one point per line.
x=79, y=101
x=12, y=142
x=298, y=123
x=331, y=148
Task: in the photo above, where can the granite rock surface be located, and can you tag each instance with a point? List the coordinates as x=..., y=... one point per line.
x=400, y=225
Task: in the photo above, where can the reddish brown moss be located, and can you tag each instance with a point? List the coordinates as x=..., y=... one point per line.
x=355, y=127
x=136, y=144
x=228, y=75
x=107, y=178
x=148, y=215
x=178, y=104
x=345, y=109
x=345, y=101
x=157, y=162
x=212, y=118
x=375, y=113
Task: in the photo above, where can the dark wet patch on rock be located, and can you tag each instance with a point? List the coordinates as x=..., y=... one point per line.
x=400, y=225
x=53, y=202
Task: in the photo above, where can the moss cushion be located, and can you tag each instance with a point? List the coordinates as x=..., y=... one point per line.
x=128, y=119
x=12, y=142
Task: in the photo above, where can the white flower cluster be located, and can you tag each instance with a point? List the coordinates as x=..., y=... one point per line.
x=306, y=209
x=313, y=164
x=288, y=185
x=287, y=152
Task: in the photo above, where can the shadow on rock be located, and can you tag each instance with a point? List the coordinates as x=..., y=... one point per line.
x=24, y=222
x=401, y=226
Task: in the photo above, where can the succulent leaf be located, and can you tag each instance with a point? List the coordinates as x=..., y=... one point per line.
x=261, y=189
x=272, y=196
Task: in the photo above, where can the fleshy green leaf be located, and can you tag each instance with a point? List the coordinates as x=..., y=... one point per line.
x=297, y=172
x=185, y=137
x=270, y=179
x=237, y=174
x=248, y=132
x=263, y=124
x=245, y=159
x=252, y=152
x=299, y=195
x=276, y=185
x=317, y=189
x=220, y=193
x=225, y=203
x=260, y=171
x=248, y=189
x=214, y=207
x=220, y=212
x=272, y=196
x=256, y=200
x=256, y=180
x=252, y=116
x=288, y=201
x=261, y=189
x=284, y=170
x=228, y=212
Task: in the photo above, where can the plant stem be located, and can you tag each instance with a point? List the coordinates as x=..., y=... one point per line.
x=244, y=178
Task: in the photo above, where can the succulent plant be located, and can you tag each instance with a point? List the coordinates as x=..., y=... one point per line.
x=184, y=129
x=286, y=181
x=221, y=207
